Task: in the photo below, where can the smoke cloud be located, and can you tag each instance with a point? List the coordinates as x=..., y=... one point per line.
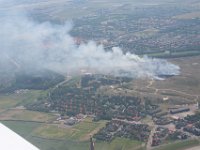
x=26, y=43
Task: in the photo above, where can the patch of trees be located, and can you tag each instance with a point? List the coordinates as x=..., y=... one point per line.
x=193, y=118
x=39, y=80
x=73, y=100
x=122, y=129
x=80, y=96
x=178, y=135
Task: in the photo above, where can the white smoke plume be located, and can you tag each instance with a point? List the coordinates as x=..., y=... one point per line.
x=25, y=42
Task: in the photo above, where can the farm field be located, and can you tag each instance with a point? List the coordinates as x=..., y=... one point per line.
x=184, y=145
x=48, y=137
x=12, y=100
x=26, y=115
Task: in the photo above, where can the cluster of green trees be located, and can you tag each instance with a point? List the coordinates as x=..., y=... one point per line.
x=122, y=129
x=38, y=80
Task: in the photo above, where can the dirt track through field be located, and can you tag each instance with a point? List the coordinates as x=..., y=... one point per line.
x=195, y=97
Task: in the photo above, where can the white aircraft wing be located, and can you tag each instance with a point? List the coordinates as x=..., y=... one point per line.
x=9, y=140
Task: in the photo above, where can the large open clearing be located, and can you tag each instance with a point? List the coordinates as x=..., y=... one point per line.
x=180, y=89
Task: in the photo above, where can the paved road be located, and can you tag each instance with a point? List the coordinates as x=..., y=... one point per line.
x=59, y=84
x=149, y=147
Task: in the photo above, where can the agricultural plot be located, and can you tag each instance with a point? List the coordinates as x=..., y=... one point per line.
x=8, y=101
x=180, y=145
x=24, y=129
x=81, y=131
x=48, y=136
x=26, y=115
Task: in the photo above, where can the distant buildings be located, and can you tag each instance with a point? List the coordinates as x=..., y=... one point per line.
x=180, y=110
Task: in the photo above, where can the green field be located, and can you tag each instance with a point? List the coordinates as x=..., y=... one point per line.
x=50, y=137
x=81, y=131
x=84, y=129
x=11, y=100
x=24, y=129
x=119, y=144
x=27, y=115
x=52, y=132
x=180, y=145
